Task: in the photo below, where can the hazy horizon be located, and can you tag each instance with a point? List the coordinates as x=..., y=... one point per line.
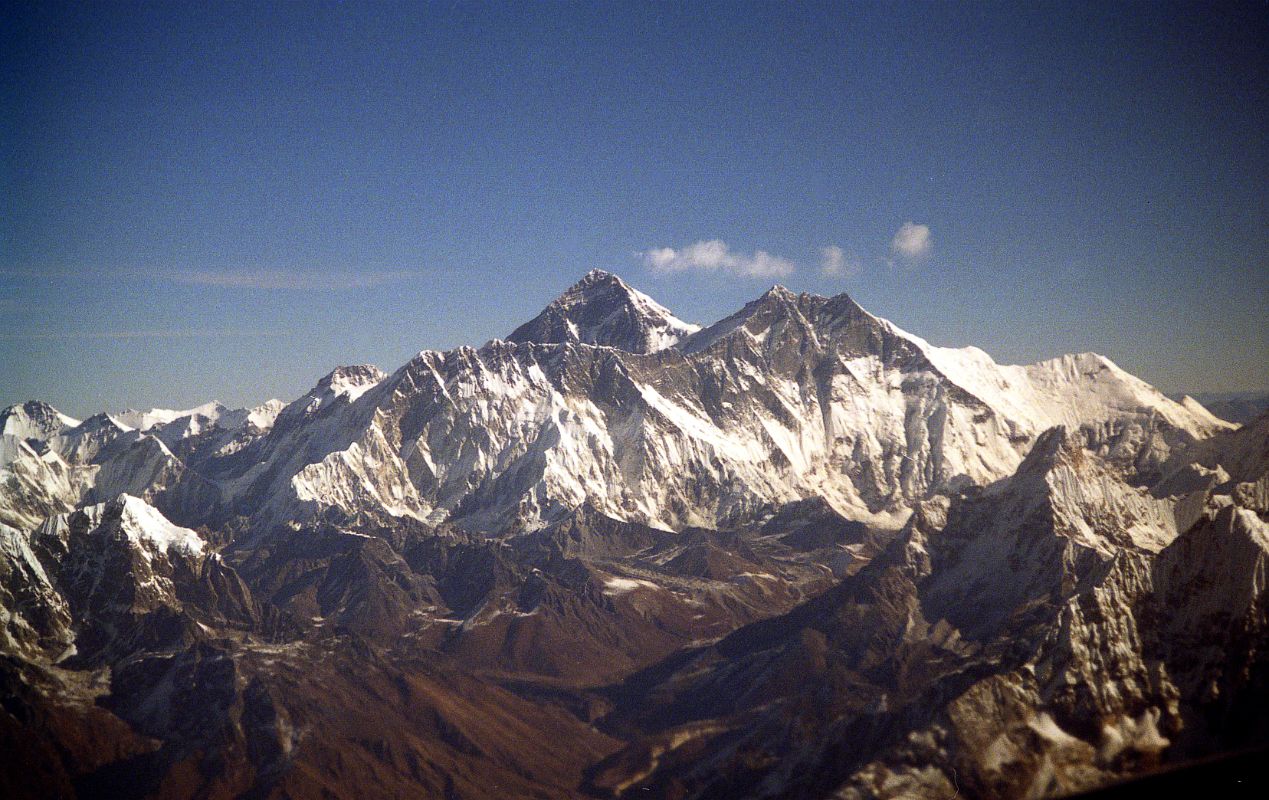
x=307, y=381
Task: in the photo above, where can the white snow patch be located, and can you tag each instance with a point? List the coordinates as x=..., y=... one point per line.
x=145, y=525
x=615, y=585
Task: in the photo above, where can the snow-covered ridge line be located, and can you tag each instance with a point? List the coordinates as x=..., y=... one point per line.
x=140, y=523
x=795, y=396
x=508, y=397
x=970, y=367
x=38, y=420
x=145, y=419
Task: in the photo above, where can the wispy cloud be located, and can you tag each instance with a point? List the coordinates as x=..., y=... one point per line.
x=911, y=241
x=145, y=334
x=836, y=262
x=232, y=278
x=286, y=279
x=714, y=255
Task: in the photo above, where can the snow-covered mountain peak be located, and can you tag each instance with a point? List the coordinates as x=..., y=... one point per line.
x=779, y=291
x=1054, y=456
x=1094, y=386
x=259, y=418
x=794, y=317
x=33, y=419
x=347, y=382
x=1053, y=447
x=263, y=415
x=598, y=276
x=1067, y=390
x=602, y=309
x=136, y=520
x=754, y=319
x=1086, y=498
x=352, y=381
x=143, y=523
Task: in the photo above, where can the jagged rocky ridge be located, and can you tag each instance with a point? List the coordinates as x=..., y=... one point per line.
x=799, y=552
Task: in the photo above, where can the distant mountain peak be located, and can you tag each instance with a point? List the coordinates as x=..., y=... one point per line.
x=599, y=276
x=143, y=524
x=33, y=419
x=145, y=419
x=602, y=309
x=808, y=312
x=348, y=379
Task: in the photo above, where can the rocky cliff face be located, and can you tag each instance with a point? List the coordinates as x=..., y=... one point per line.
x=796, y=553
x=1014, y=643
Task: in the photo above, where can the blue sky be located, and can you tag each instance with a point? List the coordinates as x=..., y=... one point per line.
x=226, y=201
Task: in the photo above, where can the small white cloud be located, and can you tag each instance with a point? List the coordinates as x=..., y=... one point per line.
x=714, y=255
x=912, y=241
x=660, y=259
x=765, y=265
x=287, y=279
x=836, y=262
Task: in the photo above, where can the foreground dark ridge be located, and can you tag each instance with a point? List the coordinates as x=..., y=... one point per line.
x=799, y=553
x=1235, y=775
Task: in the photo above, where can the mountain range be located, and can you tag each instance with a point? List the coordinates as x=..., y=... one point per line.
x=798, y=552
